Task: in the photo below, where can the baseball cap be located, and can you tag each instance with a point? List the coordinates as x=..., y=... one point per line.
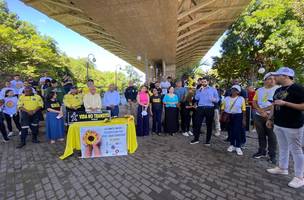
x=237, y=87
x=285, y=71
x=268, y=75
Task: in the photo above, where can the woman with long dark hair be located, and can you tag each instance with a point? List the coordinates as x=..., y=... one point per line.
x=143, y=101
x=54, y=118
x=171, y=111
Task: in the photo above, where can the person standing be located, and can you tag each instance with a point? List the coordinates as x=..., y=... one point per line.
x=245, y=96
x=131, y=95
x=26, y=84
x=181, y=91
x=92, y=101
x=16, y=83
x=54, y=119
x=262, y=104
x=206, y=96
x=156, y=110
x=67, y=83
x=55, y=87
x=165, y=84
x=170, y=101
x=142, y=112
x=10, y=111
x=45, y=77
x=217, y=113
x=288, y=119
x=111, y=101
x=235, y=107
x=188, y=111
x=2, y=125
x=29, y=105
x=8, y=86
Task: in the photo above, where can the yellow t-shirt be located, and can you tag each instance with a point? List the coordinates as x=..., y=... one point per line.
x=238, y=107
x=71, y=100
x=30, y=102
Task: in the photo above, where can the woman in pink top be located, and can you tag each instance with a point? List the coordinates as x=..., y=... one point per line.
x=143, y=101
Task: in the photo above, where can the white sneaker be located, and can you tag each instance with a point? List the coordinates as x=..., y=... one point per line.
x=217, y=133
x=231, y=148
x=296, y=182
x=19, y=132
x=277, y=170
x=186, y=134
x=190, y=133
x=239, y=151
x=10, y=134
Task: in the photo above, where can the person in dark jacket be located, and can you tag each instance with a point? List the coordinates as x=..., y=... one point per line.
x=131, y=94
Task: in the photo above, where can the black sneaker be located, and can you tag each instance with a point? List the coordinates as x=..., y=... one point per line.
x=259, y=155
x=194, y=142
x=20, y=145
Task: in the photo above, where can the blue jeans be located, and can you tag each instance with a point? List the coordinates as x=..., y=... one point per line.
x=114, y=110
x=157, y=116
x=142, y=128
x=235, y=128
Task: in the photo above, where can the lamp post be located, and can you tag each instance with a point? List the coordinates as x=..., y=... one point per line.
x=90, y=58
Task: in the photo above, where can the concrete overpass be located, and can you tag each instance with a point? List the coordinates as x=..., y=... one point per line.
x=165, y=34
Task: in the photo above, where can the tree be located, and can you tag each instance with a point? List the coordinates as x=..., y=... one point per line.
x=268, y=34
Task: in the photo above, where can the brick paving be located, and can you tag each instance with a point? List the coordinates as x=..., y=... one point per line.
x=163, y=168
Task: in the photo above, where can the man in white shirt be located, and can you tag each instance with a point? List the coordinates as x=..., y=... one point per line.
x=92, y=101
x=262, y=103
x=165, y=84
x=45, y=77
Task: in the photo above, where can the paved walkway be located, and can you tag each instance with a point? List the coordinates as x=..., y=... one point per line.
x=163, y=168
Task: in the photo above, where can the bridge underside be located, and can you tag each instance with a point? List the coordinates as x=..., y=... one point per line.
x=167, y=34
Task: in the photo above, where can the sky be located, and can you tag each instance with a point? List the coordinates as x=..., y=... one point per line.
x=75, y=45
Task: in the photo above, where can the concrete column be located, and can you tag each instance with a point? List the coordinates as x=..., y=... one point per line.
x=170, y=70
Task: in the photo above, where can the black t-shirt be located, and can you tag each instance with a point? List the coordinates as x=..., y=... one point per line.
x=53, y=105
x=156, y=102
x=285, y=116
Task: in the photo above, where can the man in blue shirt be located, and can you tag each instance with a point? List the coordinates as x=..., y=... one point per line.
x=111, y=101
x=206, y=97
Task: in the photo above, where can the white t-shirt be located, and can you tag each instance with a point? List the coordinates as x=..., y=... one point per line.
x=238, y=107
x=42, y=79
x=262, y=95
x=164, y=86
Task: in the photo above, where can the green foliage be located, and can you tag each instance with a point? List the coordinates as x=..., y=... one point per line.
x=25, y=51
x=270, y=33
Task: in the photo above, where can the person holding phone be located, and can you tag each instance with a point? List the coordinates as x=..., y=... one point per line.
x=288, y=120
x=206, y=97
x=262, y=103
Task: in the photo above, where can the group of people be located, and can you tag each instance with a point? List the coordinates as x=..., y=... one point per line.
x=25, y=103
x=277, y=115
x=277, y=109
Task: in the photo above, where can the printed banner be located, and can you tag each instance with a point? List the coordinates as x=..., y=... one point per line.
x=103, y=141
x=82, y=116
